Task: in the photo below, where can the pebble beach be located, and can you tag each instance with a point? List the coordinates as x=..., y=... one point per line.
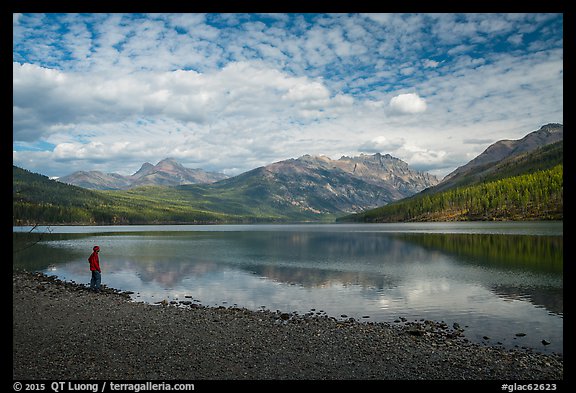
x=63, y=331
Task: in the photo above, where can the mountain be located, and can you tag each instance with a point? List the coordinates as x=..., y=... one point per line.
x=167, y=172
x=519, y=179
x=38, y=200
x=487, y=161
x=309, y=188
x=96, y=180
x=309, y=184
x=319, y=185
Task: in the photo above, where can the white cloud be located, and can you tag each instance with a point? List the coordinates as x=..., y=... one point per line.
x=428, y=63
x=243, y=106
x=423, y=156
x=515, y=39
x=242, y=90
x=408, y=103
x=382, y=144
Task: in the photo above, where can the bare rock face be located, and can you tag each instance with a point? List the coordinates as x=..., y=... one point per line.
x=350, y=184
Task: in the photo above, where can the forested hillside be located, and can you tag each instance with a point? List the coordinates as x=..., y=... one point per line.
x=38, y=200
x=542, y=158
x=522, y=186
x=538, y=195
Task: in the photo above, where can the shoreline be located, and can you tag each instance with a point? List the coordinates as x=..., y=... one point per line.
x=62, y=331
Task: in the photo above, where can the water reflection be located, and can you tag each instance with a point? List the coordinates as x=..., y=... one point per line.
x=537, y=253
x=496, y=284
x=537, y=260
x=527, y=267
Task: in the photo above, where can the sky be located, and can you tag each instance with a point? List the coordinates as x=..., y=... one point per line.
x=232, y=92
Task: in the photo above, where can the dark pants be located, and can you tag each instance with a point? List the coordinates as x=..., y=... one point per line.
x=95, y=280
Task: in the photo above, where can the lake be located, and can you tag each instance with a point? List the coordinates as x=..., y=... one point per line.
x=501, y=281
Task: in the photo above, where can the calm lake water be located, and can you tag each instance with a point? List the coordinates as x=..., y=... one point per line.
x=494, y=279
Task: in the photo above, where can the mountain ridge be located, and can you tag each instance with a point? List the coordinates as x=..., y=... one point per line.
x=348, y=184
x=547, y=134
x=510, y=179
x=321, y=185
x=307, y=189
x=167, y=172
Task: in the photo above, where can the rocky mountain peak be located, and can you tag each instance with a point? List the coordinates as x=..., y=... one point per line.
x=383, y=160
x=379, y=156
x=170, y=165
x=144, y=170
x=552, y=128
x=168, y=172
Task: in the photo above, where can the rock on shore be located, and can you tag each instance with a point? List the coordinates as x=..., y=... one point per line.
x=64, y=331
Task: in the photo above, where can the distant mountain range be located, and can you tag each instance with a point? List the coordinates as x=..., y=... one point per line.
x=315, y=184
x=320, y=185
x=167, y=172
x=309, y=188
x=350, y=183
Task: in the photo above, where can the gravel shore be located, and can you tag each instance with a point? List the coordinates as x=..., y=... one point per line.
x=63, y=331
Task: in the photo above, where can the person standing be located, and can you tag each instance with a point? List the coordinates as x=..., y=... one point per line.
x=94, y=260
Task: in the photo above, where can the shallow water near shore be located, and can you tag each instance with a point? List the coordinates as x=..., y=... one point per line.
x=501, y=282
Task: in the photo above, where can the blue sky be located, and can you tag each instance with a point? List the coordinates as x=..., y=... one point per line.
x=232, y=92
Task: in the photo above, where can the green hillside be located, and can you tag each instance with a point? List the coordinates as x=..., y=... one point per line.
x=538, y=195
x=527, y=186
x=40, y=200
x=541, y=158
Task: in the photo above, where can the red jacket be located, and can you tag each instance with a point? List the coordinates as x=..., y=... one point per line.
x=94, y=262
